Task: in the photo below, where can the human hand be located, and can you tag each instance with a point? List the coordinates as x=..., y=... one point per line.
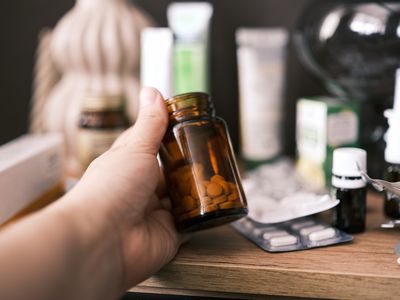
x=120, y=187
x=107, y=234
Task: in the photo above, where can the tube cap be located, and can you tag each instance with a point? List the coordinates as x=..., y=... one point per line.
x=275, y=37
x=346, y=162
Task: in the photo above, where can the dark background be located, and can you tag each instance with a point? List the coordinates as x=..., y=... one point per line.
x=21, y=21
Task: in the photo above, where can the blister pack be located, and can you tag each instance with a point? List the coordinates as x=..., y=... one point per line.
x=299, y=234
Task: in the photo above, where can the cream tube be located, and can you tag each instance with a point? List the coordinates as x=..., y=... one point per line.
x=261, y=61
x=190, y=22
x=156, y=59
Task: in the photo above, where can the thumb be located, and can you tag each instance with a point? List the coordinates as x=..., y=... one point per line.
x=151, y=124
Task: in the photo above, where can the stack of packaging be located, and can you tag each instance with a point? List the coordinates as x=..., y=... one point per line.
x=31, y=173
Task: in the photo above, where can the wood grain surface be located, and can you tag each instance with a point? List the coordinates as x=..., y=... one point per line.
x=220, y=262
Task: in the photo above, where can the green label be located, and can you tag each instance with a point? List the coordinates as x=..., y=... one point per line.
x=190, y=68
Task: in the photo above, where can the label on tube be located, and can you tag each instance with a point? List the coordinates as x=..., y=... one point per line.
x=261, y=62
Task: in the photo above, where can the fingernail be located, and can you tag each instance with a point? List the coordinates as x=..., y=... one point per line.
x=148, y=96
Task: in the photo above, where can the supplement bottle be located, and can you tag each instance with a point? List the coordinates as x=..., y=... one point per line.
x=349, y=187
x=101, y=121
x=391, y=206
x=199, y=165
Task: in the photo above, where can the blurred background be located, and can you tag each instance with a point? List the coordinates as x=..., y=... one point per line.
x=21, y=22
x=353, y=46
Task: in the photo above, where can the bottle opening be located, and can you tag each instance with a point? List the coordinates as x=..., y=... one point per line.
x=189, y=105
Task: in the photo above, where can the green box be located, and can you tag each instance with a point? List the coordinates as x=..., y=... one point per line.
x=323, y=124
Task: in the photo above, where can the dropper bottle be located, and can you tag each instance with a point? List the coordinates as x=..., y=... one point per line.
x=391, y=205
x=349, y=187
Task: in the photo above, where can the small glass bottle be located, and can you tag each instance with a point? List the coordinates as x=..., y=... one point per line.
x=101, y=121
x=199, y=165
x=349, y=187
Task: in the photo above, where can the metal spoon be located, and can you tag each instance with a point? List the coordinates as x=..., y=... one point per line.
x=380, y=185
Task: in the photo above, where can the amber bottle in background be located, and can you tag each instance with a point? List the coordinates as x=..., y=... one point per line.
x=199, y=165
x=101, y=121
x=391, y=205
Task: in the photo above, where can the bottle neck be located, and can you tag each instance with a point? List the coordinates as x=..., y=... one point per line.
x=348, y=182
x=189, y=106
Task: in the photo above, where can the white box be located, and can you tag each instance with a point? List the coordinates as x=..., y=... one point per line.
x=30, y=167
x=322, y=125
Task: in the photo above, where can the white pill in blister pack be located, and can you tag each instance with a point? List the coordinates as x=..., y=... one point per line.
x=308, y=230
x=324, y=234
x=271, y=234
x=285, y=240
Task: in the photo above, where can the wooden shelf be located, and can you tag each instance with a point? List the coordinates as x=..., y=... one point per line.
x=220, y=262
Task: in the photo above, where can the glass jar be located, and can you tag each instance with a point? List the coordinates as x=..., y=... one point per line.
x=199, y=165
x=353, y=46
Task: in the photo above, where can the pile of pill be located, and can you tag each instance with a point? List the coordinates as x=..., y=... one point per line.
x=275, y=193
x=274, y=180
x=199, y=195
x=299, y=234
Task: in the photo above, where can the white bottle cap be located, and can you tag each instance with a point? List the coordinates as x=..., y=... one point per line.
x=346, y=162
x=392, y=151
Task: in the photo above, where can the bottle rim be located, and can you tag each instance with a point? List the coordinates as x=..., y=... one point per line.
x=189, y=105
x=187, y=99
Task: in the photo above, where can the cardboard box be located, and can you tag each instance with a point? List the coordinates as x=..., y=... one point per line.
x=323, y=124
x=31, y=170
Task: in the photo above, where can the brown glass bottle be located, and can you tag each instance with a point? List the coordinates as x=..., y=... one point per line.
x=391, y=206
x=199, y=165
x=351, y=211
x=101, y=121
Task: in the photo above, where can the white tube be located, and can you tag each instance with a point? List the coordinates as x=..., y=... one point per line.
x=190, y=22
x=392, y=150
x=261, y=62
x=156, y=59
